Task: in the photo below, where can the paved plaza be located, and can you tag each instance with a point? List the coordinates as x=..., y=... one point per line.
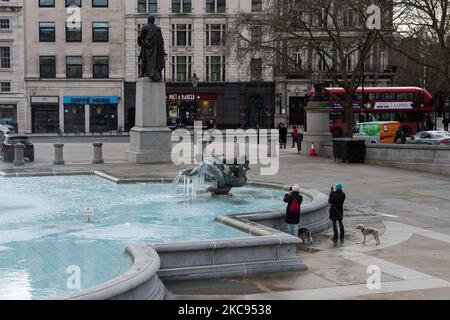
x=410, y=209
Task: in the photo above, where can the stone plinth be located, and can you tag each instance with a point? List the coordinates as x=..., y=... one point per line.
x=150, y=138
x=318, y=117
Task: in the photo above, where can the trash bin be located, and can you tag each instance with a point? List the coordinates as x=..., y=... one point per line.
x=353, y=151
x=337, y=147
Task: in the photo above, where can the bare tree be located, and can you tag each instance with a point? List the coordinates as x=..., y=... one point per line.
x=425, y=26
x=313, y=35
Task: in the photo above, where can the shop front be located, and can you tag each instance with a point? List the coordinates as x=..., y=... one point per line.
x=45, y=114
x=8, y=115
x=90, y=113
x=186, y=108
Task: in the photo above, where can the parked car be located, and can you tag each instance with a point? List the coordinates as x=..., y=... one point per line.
x=7, y=129
x=430, y=138
x=376, y=132
x=7, y=150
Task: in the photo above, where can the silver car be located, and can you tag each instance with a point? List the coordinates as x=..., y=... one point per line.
x=7, y=129
x=430, y=137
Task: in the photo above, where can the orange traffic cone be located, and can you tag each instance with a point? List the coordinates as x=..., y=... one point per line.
x=312, y=152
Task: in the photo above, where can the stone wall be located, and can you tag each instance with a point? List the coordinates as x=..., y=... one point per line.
x=426, y=158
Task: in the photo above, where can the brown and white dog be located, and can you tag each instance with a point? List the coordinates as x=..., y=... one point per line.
x=368, y=231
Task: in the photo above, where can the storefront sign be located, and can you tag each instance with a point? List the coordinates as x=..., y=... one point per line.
x=91, y=100
x=45, y=100
x=7, y=106
x=191, y=97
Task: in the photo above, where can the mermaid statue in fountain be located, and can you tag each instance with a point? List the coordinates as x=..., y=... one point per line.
x=217, y=175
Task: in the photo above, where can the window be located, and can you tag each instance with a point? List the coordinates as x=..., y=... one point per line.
x=256, y=69
x=5, y=87
x=256, y=34
x=74, y=67
x=256, y=5
x=5, y=24
x=323, y=18
x=216, y=6
x=181, y=6
x=215, y=68
x=99, y=3
x=321, y=63
x=100, y=67
x=215, y=34
x=347, y=19
x=46, y=31
x=47, y=66
x=300, y=59
x=147, y=6
x=181, y=68
x=100, y=31
x=73, y=3
x=5, y=57
x=73, y=31
x=181, y=35
x=349, y=60
x=47, y=3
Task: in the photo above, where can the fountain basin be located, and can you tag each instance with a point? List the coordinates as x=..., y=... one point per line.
x=258, y=249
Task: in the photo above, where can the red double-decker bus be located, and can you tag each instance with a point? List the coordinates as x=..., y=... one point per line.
x=408, y=105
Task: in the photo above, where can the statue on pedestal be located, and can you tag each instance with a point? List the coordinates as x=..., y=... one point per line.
x=152, y=56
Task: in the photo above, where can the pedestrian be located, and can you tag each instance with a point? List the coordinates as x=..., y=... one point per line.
x=283, y=136
x=336, y=201
x=210, y=125
x=445, y=122
x=294, y=136
x=429, y=123
x=301, y=134
x=294, y=201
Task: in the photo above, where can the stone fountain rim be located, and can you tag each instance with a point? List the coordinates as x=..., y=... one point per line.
x=143, y=275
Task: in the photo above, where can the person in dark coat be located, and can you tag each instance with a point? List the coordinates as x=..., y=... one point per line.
x=429, y=123
x=336, y=201
x=445, y=122
x=294, y=201
x=283, y=136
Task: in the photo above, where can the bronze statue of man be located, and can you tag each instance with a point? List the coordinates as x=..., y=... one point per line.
x=152, y=55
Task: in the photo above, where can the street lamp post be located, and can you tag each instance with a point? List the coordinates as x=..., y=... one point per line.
x=195, y=82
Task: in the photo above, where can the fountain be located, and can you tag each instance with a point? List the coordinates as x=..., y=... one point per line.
x=216, y=174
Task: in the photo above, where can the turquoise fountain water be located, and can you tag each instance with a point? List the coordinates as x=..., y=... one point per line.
x=44, y=231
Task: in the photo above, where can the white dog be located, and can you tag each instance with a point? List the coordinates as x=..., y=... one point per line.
x=368, y=231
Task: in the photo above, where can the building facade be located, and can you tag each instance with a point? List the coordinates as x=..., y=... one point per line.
x=293, y=78
x=204, y=80
x=12, y=91
x=74, y=66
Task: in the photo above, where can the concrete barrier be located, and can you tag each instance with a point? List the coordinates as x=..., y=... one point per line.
x=425, y=158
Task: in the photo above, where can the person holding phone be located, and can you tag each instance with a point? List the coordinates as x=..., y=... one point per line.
x=336, y=201
x=294, y=201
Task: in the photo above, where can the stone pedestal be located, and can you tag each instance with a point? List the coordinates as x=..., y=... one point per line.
x=59, y=154
x=98, y=153
x=18, y=154
x=150, y=138
x=318, y=130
